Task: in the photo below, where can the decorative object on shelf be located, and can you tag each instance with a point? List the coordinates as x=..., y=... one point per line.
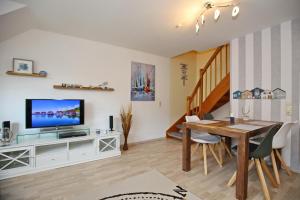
x=211, y=4
x=81, y=87
x=43, y=73
x=267, y=94
x=104, y=85
x=237, y=94
x=126, y=119
x=22, y=66
x=142, y=82
x=279, y=94
x=258, y=93
x=246, y=94
x=184, y=75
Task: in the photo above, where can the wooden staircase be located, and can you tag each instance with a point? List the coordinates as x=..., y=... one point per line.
x=211, y=91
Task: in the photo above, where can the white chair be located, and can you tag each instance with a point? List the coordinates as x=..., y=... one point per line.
x=207, y=140
x=279, y=142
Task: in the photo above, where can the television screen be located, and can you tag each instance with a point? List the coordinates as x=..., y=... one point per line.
x=52, y=113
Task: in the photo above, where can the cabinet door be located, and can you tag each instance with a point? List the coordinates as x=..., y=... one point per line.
x=108, y=144
x=16, y=158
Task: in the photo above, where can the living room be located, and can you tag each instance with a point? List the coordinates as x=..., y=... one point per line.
x=102, y=99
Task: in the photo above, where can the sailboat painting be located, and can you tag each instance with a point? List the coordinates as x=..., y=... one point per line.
x=142, y=82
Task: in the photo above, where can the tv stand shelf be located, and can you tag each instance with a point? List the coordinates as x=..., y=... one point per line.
x=40, y=154
x=51, y=135
x=26, y=74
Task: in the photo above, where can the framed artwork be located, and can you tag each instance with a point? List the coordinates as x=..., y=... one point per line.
x=142, y=82
x=22, y=66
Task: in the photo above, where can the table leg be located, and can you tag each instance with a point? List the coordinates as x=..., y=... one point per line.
x=242, y=168
x=186, y=150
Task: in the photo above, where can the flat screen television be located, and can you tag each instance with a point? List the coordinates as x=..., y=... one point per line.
x=41, y=113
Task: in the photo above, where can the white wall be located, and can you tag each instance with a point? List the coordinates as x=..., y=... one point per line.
x=222, y=112
x=74, y=60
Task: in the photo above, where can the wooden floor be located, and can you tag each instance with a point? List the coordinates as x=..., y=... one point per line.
x=163, y=155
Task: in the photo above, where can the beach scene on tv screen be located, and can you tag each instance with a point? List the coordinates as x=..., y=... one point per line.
x=49, y=113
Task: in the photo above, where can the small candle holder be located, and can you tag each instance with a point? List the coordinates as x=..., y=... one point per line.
x=232, y=120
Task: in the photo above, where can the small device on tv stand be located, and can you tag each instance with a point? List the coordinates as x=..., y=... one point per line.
x=57, y=128
x=69, y=134
x=111, y=123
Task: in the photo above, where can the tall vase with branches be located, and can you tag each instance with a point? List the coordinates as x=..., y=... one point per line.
x=126, y=117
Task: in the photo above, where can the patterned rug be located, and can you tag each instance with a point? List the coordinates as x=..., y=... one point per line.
x=148, y=186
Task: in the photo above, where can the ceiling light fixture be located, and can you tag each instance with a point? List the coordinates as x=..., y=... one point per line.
x=202, y=19
x=217, y=14
x=235, y=11
x=209, y=4
x=197, y=27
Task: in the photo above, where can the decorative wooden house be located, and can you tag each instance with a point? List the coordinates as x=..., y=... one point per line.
x=237, y=94
x=246, y=94
x=256, y=93
x=267, y=94
x=279, y=93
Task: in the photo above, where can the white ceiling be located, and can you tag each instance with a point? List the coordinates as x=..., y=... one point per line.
x=149, y=25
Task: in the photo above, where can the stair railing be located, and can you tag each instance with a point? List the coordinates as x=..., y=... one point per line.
x=211, y=75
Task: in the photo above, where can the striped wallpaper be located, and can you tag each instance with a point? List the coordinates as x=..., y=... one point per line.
x=270, y=59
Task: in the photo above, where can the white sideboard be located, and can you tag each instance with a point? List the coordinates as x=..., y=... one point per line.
x=41, y=155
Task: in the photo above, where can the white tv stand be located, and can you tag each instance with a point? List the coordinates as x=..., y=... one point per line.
x=41, y=155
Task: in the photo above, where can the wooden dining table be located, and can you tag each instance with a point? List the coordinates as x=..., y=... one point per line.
x=225, y=128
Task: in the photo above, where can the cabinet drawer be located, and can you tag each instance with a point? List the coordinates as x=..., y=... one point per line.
x=81, y=155
x=43, y=161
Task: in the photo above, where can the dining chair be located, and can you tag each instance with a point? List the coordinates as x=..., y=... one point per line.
x=209, y=116
x=279, y=142
x=257, y=153
x=207, y=141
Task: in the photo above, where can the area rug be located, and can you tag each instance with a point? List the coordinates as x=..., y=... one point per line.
x=151, y=185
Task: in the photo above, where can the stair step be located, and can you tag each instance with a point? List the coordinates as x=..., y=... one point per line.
x=176, y=135
x=179, y=126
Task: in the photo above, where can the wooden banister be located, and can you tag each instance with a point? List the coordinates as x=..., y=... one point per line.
x=212, y=89
x=194, y=102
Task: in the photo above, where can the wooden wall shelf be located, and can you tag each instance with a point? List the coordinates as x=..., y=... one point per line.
x=25, y=74
x=83, y=88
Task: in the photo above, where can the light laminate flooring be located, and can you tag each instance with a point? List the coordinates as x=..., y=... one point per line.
x=163, y=155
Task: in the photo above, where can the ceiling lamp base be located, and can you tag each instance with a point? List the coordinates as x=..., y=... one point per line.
x=209, y=4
